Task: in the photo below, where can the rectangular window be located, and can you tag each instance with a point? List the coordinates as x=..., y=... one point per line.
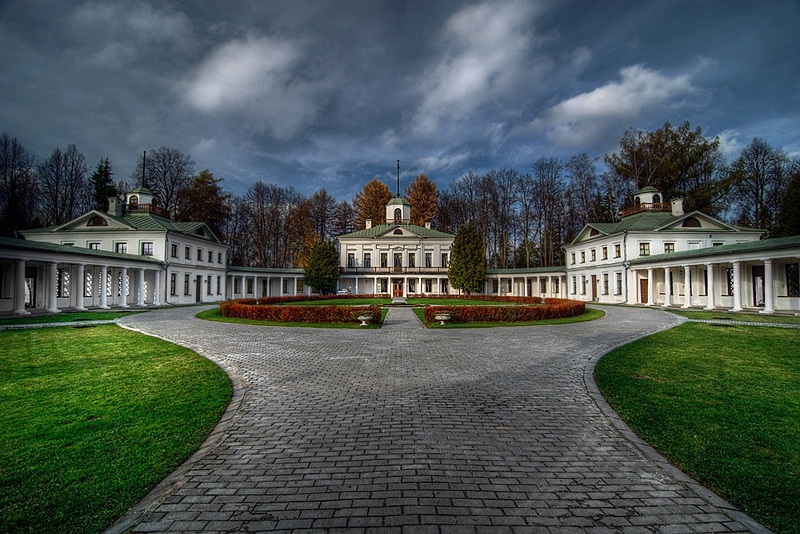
x=121, y=248
x=644, y=249
x=248, y=284
x=351, y=260
x=572, y=259
x=555, y=286
x=208, y=283
x=583, y=285
x=583, y=256
x=495, y=286
x=94, y=245
x=412, y=259
x=68, y=243
x=605, y=253
x=398, y=259
x=285, y=287
x=543, y=286
x=412, y=285
x=384, y=285
x=299, y=286
x=367, y=259
x=62, y=283
x=187, y=253
x=717, y=244
x=219, y=285
x=443, y=284
x=605, y=283
x=210, y=256
x=428, y=285
x=617, y=250
x=384, y=260
x=173, y=250
x=619, y=284
x=444, y=261
x=199, y=254
x=428, y=260
x=669, y=248
x=147, y=249
x=219, y=257
x=729, y=279
x=87, y=283
x=793, y=279
x=235, y=284
x=593, y=255
x=173, y=284
x=186, y=284
x=574, y=285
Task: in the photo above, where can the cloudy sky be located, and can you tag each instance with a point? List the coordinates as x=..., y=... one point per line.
x=330, y=94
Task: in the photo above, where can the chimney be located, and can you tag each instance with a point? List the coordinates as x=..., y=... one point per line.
x=114, y=206
x=677, y=207
x=428, y=225
x=368, y=224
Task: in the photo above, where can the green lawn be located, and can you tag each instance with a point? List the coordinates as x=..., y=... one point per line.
x=67, y=317
x=92, y=419
x=214, y=315
x=589, y=315
x=723, y=404
x=733, y=316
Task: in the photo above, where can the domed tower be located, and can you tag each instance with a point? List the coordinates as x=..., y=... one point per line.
x=398, y=211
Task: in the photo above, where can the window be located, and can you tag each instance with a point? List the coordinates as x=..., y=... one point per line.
x=729, y=279
x=299, y=286
x=147, y=249
x=173, y=251
x=248, y=284
x=88, y=287
x=235, y=284
x=97, y=221
x=187, y=253
x=619, y=284
x=397, y=231
x=574, y=285
x=351, y=260
x=62, y=283
x=605, y=283
x=583, y=285
x=219, y=257
x=210, y=256
x=68, y=243
x=691, y=222
x=593, y=255
x=367, y=259
x=133, y=200
x=186, y=284
x=94, y=245
x=617, y=250
x=443, y=285
x=428, y=285
x=572, y=259
x=199, y=254
x=669, y=248
x=412, y=259
x=384, y=285
x=644, y=249
x=604, y=252
x=428, y=260
x=208, y=284
x=200, y=232
x=398, y=216
x=173, y=284
x=398, y=259
x=543, y=285
x=285, y=286
x=555, y=286
x=121, y=248
x=583, y=256
x=444, y=259
x=793, y=279
x=384, y=260
x=412, y=285
x=495, y=285
x=219, y=285
x=717, y=244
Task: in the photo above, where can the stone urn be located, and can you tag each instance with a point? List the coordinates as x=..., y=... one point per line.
x=365, y=319
x=442, y=318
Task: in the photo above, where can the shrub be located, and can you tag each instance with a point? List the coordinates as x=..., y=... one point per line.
x=268, y=309
x=552, y=309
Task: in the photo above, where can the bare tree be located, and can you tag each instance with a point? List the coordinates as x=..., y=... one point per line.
x=65, y=191
x=549, y=195
x=322, y=206
x=343, y=219
x=19, y=192
x=167, y=172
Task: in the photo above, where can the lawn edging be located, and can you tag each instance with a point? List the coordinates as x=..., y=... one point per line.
x=175, y=480
x=653, y=455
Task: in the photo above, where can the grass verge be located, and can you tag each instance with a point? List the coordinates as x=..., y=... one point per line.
x=93, y=419
x=214, y=315
x=734, y=316
x=721, y=403
x=68, y=317
x=590, y=315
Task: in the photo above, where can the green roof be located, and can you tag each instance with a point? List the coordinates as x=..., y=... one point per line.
x=763, y=245
x=648, y=189
x=397, y=201
x=381, y=229
x=529, y=270
x=22, y=244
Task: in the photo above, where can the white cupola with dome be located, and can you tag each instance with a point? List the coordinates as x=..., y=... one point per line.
x=141, y=196
x=398, y=211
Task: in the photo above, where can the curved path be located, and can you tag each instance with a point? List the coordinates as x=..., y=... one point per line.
x=416, y=430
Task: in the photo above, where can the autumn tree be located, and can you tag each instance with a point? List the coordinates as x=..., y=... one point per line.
x=101, y=185
x=19, y=190
x=370, y=203
x=64, y=190
x=321, y=267
x=467, y=270
x=423, y=196
x=203, y=200
x=167, y=172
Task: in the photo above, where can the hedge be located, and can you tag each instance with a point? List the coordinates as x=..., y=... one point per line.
x=551, y=309
x=258, y=310
x=488, y=298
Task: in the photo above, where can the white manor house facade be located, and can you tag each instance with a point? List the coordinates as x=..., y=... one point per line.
x=135, y=255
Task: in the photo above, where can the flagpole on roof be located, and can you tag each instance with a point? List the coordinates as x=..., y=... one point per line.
x=398, y=178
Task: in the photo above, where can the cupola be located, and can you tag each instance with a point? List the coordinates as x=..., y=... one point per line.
x=398, y=211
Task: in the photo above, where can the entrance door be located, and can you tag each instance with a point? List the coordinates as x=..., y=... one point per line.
x=758, y=285
x=594, y=287
x=397, y=287
x=643, y=291
x=198, y=294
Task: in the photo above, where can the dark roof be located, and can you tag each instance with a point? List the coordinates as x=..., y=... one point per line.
x=265, y=270
x=529, y=270
x=381, y=229
x=776, y=243
x=22, y=244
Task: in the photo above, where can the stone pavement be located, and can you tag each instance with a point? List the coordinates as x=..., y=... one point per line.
x=406, y=429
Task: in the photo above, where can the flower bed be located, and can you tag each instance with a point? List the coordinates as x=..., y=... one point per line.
x=487, y=298
x=551, y=309
x=268, y=309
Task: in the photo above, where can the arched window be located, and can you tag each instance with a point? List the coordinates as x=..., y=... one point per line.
x=637, y=201
x=398, y=215
x=691, y=222
x=398, y=231
x=133, y=200
x=657, y=198
x=97, y=221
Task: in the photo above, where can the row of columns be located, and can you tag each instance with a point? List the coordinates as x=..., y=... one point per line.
x=527, y=279
x=243, y=283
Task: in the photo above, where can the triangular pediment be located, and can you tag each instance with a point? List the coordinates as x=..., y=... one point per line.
x=94, y=221
x=695, y=221
x=399, y=231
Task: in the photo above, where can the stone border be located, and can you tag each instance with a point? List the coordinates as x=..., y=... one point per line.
x=654, y=456
x=172, y=482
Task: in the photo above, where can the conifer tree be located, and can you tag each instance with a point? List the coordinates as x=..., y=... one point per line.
x=102, y=184
x=321, y=267
x=467, y=270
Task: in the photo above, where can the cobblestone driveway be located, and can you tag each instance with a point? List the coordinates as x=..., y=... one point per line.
x=415, y=430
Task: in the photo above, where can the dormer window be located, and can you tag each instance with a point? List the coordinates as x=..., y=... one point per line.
x=691, y=222
x=97, y=221
x=593, y=232
x=397, y=231
x=199, y=231
x=133, y=200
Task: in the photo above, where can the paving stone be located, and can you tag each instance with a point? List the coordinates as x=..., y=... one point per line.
x=459, y=430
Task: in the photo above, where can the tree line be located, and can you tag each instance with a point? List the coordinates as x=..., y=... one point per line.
x=522, y=218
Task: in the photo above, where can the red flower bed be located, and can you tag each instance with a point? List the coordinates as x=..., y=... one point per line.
x=487, y=298
x=264, y=310
x=551, y=309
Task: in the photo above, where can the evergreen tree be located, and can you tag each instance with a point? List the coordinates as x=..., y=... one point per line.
x=102, y=185
x=204, y=200
x=467, y=270
x=322, y=267
x=789, y=216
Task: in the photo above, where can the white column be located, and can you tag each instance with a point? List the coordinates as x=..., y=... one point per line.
x=667, y=287
x=294, y=287
x=737, y=290
x=405, y=286
x=710, y=284
x=157, y=288
x=19, y=292
x=124, y=288
x=80, y=286
x=526, y=286
x=419, y=285
x=244, y=286
x=52, y=287
x=356, y=290
x=269, y=286
x=769, y=305
x=140, y=289
x=104, y=287
x=687, y=289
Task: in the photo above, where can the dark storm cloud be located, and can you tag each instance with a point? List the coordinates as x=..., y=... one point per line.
x=330, y=94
